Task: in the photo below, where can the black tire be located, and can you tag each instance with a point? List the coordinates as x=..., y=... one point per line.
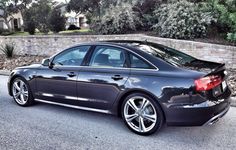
x=153, y=105
x=30, y=99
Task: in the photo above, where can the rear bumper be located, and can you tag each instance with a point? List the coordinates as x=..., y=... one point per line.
x=217, y=117
x=205, y=113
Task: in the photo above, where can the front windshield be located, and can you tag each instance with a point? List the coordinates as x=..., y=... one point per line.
x=170, y=55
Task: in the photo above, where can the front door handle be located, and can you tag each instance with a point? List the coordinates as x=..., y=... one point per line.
x=117, y=77
x=71, y=74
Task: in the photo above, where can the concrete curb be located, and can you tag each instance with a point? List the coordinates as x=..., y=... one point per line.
x=233, y=101
x=7, y=73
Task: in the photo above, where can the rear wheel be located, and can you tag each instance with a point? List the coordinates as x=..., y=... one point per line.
x=21, y=92
x=142, y=114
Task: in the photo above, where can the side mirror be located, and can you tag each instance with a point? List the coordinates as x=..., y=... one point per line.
x=46, y=62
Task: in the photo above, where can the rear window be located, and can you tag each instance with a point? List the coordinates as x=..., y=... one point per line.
x=167, y=54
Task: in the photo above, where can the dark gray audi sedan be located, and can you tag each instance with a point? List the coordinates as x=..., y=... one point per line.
x=147, y=84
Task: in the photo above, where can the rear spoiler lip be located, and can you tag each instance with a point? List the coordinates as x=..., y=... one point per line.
x=219, y=68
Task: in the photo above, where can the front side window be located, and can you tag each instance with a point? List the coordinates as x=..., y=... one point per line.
x=107, y=56
x=71, y=57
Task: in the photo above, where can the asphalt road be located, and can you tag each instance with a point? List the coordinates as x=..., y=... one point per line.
x=49, y=127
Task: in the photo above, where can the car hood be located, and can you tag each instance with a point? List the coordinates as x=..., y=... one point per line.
x=32, y=66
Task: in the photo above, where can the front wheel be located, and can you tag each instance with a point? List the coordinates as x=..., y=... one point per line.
x=21, y=92
x=142, y=114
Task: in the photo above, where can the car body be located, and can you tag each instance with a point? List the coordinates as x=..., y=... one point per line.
x=103, y=75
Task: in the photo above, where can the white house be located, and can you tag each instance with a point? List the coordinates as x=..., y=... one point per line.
x=16, y=22
x=73, y=18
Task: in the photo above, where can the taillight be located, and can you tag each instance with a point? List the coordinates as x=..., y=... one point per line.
x=207, y=83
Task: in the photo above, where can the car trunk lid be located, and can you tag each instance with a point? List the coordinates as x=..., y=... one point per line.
x=213, y=83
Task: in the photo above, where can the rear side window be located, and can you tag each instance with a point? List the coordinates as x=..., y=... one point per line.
x=108, y=56
x=136, y=62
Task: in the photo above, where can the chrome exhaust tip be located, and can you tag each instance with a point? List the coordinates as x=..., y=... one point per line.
x=213, y=121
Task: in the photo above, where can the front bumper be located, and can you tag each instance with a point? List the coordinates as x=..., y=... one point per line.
x=205, y=113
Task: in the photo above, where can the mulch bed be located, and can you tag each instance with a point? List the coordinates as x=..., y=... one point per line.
x=17, y=61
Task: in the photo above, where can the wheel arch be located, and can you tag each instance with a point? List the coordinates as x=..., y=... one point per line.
x=11, y=82
x=129, y=92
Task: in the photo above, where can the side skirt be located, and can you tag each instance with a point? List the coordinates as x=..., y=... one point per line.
x=73, y=106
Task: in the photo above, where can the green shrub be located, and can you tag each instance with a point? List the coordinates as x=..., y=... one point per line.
x=231, y=36
x=181, y=20
x=57, y=21
x=226, y=15
x=30, y=27
x=227, y=11
x=29, y=20
x=8, y=50
x=116, y=20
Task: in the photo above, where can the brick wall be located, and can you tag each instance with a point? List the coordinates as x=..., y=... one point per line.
x=51, y=44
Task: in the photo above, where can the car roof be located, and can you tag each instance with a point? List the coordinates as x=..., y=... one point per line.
x=122, y=43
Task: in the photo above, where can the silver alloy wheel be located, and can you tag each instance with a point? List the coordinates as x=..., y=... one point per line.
x=140, y=114
x=20, y=92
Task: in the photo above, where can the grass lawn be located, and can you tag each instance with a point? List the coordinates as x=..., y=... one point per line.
x=66, y=32
x=75, y=31
x=26, y=33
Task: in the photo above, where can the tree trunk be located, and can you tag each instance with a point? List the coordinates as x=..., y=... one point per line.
x=7, y=22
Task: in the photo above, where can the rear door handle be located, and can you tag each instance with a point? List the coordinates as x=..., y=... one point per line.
x=71, y=74
x=117, y=77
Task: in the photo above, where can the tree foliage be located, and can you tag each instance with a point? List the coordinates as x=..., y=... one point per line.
x=181, y=19
x=42, y=11
x=117, y=20
x=84, y=6
x=57, y=21
x=29, y=20
x=37, y=16
x=225, y=12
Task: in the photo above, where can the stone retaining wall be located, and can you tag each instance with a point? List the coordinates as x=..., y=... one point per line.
x=51, y=44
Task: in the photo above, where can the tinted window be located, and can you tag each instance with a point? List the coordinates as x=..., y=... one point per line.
x=71, y=57
x=167, y=54
x=106, y=56
x=136, y=62
x=170, y=55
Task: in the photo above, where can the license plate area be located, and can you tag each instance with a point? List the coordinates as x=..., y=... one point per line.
x=220, y=89
x=224, y=85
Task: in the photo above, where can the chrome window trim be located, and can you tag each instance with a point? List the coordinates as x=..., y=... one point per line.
x=147, y=61
x=118, y=68
x=94, y=67
x=104, y=44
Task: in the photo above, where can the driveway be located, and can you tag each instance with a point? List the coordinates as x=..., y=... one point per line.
x=49, y=127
